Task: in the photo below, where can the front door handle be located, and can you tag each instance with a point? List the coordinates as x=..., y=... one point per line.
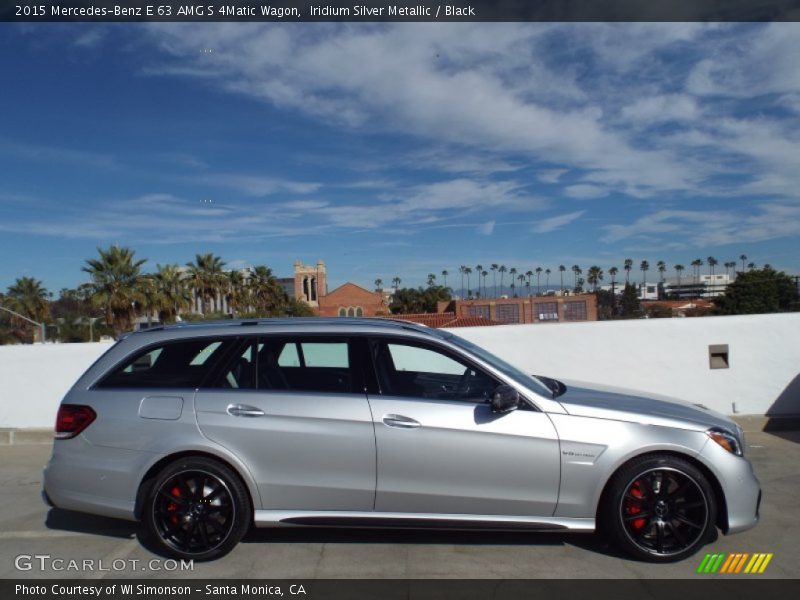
x=400, y=422
x=244, y=410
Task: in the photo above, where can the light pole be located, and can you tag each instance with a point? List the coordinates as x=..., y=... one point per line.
x=41, y=326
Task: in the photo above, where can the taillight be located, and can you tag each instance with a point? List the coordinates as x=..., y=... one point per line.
x=72, y=419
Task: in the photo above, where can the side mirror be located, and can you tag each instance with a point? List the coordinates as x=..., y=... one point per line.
x=505, y=399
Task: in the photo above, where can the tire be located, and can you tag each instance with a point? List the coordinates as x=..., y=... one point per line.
x=196, y=508
x=659, y=508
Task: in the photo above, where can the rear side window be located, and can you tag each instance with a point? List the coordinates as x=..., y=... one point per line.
x=304, y=365
x=173, y=365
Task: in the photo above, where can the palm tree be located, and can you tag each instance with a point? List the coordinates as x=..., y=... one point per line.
x=502, y=270
x=521, y=279
x=468, y=272
x=431, y=279
x=697, y=263
x=268, y=297
x=396, y=281
x=645, y=267
x=115, y=285
x=538, y=280
x=594, y=276
x=379, y=284
x=172, y=296
x=662, y=267
x=613, y=272
x=712, y=262
x=478, y=269
x=751, y=266
x=678, y=270
x=547, y=279
x=207, y=277
x=743, y=258
x=444, y=277
x=561, y=269
x=484, y=273
x=512, y=271
x=494, y=268
x=237, y=292
x=28, y=297
x=576, y=271
x=728, y=266
x=628, y=266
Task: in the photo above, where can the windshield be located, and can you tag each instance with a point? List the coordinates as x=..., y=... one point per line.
x=529, y=381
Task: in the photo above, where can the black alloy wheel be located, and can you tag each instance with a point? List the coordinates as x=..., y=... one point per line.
x=661, y=509
x=197, y=509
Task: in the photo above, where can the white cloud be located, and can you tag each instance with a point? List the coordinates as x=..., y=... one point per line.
x=486, y=228
x=766, y=221
x=557, y=222
x=585, y=191
x=551, y=175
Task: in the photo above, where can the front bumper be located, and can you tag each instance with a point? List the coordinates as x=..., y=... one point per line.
x=740, y=487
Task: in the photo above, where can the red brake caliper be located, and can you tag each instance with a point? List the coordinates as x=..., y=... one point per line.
x=634, y=507
x=172, y=507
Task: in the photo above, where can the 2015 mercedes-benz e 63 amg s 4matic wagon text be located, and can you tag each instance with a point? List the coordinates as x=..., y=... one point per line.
x=200, y=431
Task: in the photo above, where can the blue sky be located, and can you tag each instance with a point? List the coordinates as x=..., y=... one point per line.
x=398, y=149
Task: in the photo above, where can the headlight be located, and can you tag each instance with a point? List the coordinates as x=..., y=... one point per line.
x=727, y=440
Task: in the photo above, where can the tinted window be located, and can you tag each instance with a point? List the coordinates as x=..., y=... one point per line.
x=417, y=371
x=173, y=365
x=240, y=372
x=304, y=365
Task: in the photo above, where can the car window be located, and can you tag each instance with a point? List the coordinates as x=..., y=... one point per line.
x=419, y=371
x=239, y=373
x=304, y=365
x=172, y=365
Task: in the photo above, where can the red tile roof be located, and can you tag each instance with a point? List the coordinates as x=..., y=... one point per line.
x=447, y=319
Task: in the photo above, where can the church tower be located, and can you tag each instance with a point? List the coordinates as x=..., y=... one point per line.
x=310, y=282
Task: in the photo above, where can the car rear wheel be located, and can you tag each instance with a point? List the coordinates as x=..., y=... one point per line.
x=660, y=508
x=197, y=508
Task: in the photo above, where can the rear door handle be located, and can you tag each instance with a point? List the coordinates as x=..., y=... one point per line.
x=400, y=422
x=244, y=410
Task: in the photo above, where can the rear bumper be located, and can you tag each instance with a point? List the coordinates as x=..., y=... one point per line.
x=80, y=478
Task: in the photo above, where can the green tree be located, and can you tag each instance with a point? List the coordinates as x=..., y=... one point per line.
x=28, y=297
x=208, y=278
x=628, y=266
x=594, y=276
x=613, y=272
x=759, y=291
x=606, y=305
x=115, y=285
x=630, y=307
x=419, y=300
x=268, y=298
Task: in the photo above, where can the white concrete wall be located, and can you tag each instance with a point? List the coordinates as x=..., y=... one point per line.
x=33, y=379
x=667, y=356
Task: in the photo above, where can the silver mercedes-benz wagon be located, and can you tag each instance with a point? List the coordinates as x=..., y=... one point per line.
x=201, y=431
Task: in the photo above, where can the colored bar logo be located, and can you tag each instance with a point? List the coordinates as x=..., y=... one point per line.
x=741, y=562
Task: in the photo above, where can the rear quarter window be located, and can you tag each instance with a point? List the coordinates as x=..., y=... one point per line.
x=181, y=364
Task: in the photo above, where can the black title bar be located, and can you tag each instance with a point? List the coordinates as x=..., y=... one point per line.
x=389, y=11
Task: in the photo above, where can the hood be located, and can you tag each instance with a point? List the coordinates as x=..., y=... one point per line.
x=591, y=400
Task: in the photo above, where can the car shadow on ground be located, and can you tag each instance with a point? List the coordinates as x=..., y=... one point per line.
x=333, y=535
x=67, y=520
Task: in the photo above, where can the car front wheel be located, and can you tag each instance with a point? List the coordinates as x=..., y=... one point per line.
x=660, y=508
x=197, y=508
